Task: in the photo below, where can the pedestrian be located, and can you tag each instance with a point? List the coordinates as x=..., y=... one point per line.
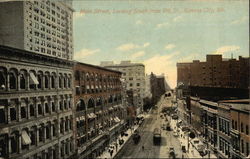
x=142, y=148
x=111, y=153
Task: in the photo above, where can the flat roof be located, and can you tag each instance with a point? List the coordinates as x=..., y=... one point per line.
x=98, y=67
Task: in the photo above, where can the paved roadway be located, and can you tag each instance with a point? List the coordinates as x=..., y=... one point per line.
x=131, y=150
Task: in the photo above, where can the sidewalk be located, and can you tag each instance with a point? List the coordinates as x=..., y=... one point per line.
x=183, y=138
x=106, y=153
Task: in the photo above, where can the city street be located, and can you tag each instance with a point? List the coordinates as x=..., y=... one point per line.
x=131, y=150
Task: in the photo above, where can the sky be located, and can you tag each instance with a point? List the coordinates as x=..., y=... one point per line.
x=159, y=33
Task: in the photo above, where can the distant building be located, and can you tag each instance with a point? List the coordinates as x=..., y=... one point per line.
x=43, y=27
x=215, y=79
x=215, y=72
x=158, y=87
x=134, y=76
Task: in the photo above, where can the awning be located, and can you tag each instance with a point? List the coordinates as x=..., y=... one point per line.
x=100, y=86
x=91, y=115
x=87, y=86
x=33, y=79
x=25, y=138
x=117, y=119
x=1, y=107
x=82, y=118
x=111, y=108
x=77, y=119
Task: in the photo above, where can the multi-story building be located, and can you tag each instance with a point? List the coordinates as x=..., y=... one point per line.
x=215, y=72
x=36, y=118
x=134, y=75
x=43, y=27
x=239, y=134
x=158, y=87
x=99, y=111
x=223, y=127
x=209, y=125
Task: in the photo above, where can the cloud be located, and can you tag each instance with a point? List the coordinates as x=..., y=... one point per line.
x=130, y=46
x=84, y=53
x=137, y=54
x=178, y=18
x=139, y=22
x=225, y=49
x=169, y=46
x=126, y=47
x=161, y=25
x=240, y=21
x=77, y=15
x=146, y=44
x=159, y=64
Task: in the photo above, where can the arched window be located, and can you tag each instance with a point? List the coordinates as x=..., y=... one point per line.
x=32, y=110
x=69, y=81
x=53, y=81
x=39, y=78
x=60, y=81
x=2, y=79
x=13, y=80
x=110, y=99
x=98, y=101
x=22, y=81
x=91, y=103
x=65, y=81
x=80, y=106
x=46, y=82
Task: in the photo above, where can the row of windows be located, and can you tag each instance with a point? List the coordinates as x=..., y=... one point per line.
x=24, y=80
x=25, y=111
x=224, y=126
x=243, y=129
x=28, y=139
x=96, y=77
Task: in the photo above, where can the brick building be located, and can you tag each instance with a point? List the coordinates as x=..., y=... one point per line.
x=158, y=87
x=99, y=110
x=224, y=125
x=240, y=137
x=36, y=101
x=215, y=72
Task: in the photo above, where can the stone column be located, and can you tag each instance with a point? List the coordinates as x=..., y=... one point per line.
x=18, y=81
x=19, y=142
x=28, y=82
x=37, y=135
x=18, y=110
x=8, y=82
x=28, y=110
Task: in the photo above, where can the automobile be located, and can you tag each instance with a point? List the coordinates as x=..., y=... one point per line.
x=171, y=152
x=201, y=149
x=185, y=128
x=175, y=117
x=163, y=126
x=175, y=134
x=183, y=148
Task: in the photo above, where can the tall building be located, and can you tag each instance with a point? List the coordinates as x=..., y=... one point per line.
x=99, y=109
x=43, y=27
x=215, y=72
x=134, y=75
x=36, y=101
x=158, y=88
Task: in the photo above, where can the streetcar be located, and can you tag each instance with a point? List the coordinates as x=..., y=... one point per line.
x=157, y=136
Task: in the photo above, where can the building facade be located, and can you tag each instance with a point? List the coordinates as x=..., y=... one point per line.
x=223, y=128
x=240, y=138
x=224, y=125
x=215, y=72
x=44, y=27
x=99, y=110
x=36, y=104
x=158, y=87
x=134, y=76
